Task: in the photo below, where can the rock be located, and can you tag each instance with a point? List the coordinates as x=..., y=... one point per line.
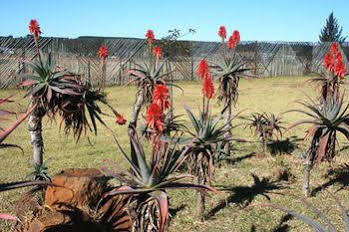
x=75, y=188
x=49, y=220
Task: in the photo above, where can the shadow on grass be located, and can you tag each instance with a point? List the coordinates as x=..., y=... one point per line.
x=173, y=211
x=244, y=195
x=287, y=146
x=233, y=161
x=344, y=148
x=281, y=227
x=253, y=228
x=338, y=175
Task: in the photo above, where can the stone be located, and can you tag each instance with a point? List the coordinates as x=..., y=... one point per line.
x=49, y=220
x=75, y=188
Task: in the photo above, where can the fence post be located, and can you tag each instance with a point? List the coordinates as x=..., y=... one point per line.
x=192, y=66
x=256, y=58
x=89, y=70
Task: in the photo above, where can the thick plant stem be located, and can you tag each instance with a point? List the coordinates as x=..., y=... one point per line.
x=102, y=78
x=134, y=116
x=136, y=109
x=200, y=180
x=200, y=205
x=306, y=180
x=35, y=130
x=227, y=122
x=200, y=202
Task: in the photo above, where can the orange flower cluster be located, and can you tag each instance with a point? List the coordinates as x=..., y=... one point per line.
x=120, y=119
x=234, y=39
x=154, y=116
x=150, y=36
x=161, y=96
x=103, y=52
x=333, y=61
x=207, y=84
x=222, y=32
x=203, y=68
x=157, y=52
x=34, y=28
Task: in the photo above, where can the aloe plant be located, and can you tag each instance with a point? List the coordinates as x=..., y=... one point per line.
x=228, y=71
x=45, y=89
x=326, y=119
x=332, y=74
x=147, y=76
x=147, y=181
x=172, y=126
x=80, y=111
x=265, y=126
x=207, y=137
x=53, y=92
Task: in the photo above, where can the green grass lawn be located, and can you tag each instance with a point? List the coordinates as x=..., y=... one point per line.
x=226, y=211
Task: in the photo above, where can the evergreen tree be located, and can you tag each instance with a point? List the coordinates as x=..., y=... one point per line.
x=332, y=31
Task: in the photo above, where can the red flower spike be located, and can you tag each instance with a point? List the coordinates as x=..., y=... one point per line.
x=334, y=48
x=157, y=52
x=207, y=87
x=161, y=96
x=234, y=39
x=103, y=52
x=34, y=27
x=150, y=36
x=222, y=33
x=203, y=68
x=154, y=117
x=340, y=69
x=120, y=119
x=328, y=61
x=339, y=57
x=230, y=43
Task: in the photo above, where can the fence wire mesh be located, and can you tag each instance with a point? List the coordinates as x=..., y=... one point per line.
x=80, y=56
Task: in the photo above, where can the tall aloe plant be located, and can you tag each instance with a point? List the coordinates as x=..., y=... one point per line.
x=46, y=87
x=147, y=75
x=228, y=71
x=53, y=92
x=327, y=116
x=326, y=119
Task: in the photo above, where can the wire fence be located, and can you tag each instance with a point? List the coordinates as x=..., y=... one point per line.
x=80, y=56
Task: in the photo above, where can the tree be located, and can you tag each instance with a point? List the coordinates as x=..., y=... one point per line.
x=332, y=31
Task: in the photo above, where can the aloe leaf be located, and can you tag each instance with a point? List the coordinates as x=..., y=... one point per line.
x=162, y=200
x=5, y=216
